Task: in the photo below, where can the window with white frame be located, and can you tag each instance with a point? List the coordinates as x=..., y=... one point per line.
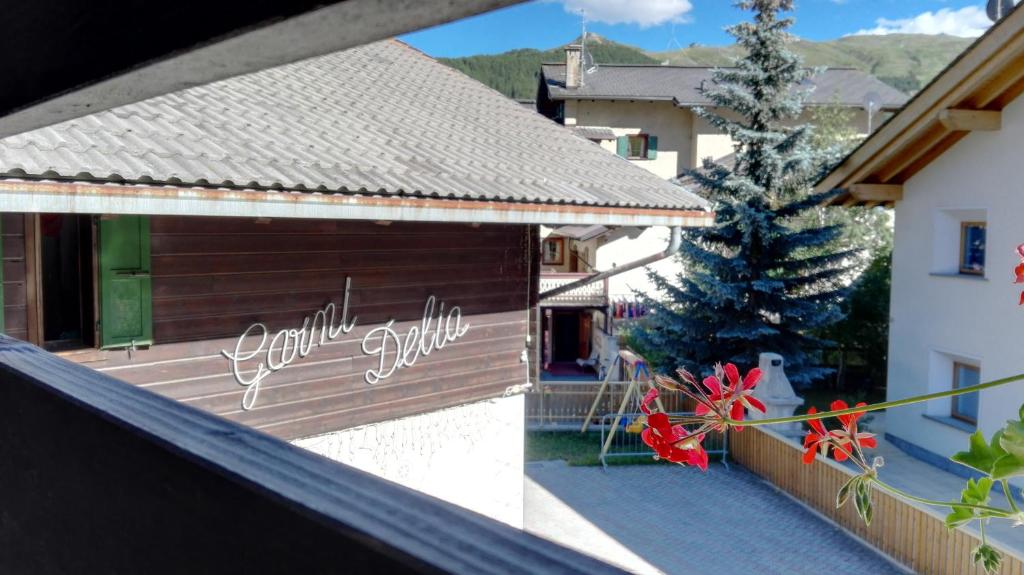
x=959, y=242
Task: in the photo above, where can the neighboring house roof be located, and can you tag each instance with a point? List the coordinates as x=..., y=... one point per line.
x=681, y=85
x=968, y=95
x=687, y=181
x=381, y=120
x=594, y=132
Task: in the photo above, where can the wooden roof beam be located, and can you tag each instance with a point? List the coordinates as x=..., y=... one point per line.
x=959, y=120
x=876, y=192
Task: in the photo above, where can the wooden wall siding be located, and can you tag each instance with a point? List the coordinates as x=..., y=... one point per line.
x=914, y=536
x=214, y=277
x=12, y=235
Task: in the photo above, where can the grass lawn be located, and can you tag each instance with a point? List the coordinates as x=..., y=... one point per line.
x=572, y=446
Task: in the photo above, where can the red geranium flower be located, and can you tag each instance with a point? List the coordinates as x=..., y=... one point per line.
x=846, y=437
x=816, y=439
x=672, y=442
x=645, y=405
x=736, y=396
x=1019, y=271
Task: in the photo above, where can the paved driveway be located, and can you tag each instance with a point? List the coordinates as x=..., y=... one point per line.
x=667, y=519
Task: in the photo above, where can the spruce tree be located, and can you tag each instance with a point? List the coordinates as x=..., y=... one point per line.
x=756, y=281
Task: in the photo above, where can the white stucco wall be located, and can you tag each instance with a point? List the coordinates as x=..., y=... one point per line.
x=470, y=455
x=937, y=318
x=625, y=250
x=708, y=142
x=671, y=125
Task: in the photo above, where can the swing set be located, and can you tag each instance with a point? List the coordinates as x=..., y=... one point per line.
x=639, y=379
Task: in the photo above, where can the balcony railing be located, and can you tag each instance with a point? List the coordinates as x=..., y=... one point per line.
x=100, y=476
x=591, y=295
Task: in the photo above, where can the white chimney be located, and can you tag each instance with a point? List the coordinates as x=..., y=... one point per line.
x=573, y=65
x=775, y=391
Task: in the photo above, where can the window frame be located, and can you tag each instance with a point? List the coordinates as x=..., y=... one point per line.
x=953, y=411
x=560, y=241
x=963, y=247
x=629, y=146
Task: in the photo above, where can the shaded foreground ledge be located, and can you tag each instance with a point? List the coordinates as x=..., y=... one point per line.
x=100, y=476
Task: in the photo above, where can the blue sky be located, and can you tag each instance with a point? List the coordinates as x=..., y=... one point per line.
x=652, y=24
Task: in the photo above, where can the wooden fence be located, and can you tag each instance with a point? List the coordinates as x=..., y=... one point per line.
x=914, y=536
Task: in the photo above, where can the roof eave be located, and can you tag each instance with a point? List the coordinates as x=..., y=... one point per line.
x=978, y=85
x=18, y=196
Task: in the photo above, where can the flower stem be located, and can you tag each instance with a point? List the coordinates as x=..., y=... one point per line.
x=1009, y=496
x=878, y=406
x=900, y=493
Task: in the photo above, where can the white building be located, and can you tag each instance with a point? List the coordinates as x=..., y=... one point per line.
x=947, y=164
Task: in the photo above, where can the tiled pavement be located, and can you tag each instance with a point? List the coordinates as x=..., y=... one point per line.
x=672, y=520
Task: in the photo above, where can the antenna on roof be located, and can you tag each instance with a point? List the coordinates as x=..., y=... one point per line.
x=672, y=41
x=587, y=64
x=871, y=104
x=996, y=9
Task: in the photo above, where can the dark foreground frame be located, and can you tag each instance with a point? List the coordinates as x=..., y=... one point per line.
x=99, y=476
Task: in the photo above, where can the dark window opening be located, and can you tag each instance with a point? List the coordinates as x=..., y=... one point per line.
x=965, y=407
x=972, y=248
x=638, y=147
x=66, y=281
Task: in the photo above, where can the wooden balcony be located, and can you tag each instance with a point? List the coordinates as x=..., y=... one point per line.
x=100, y=476
x=591, y=295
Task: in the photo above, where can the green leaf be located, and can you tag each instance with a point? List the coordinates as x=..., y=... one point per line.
x=959, y=516
x=1012, y=438
x=988, y=557
x=1006, y=466
x=846, y=490
x=981, y=455
x=977, y=492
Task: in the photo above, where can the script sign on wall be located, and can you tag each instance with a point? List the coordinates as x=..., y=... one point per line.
x=394, y=351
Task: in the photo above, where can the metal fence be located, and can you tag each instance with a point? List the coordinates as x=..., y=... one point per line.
x=626, y=441
x=562, y=405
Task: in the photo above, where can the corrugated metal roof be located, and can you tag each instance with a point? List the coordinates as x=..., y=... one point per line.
x=378, y=119
x=681, y=84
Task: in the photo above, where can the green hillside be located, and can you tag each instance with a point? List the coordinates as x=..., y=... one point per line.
x=905, y=61
x=515, y=73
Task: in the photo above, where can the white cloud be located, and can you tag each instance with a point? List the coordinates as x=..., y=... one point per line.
x=644, y=13
x=966, y=22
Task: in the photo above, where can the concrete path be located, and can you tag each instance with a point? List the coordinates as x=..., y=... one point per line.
x=666, y=519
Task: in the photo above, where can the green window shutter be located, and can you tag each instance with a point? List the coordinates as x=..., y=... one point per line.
x=652, y=147
x=622, y=146
x=126, y=295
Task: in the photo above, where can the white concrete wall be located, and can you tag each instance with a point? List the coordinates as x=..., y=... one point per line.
x=470, y=455
x=708, y=142
x=625, y=250
x=938, y=318
x=671, y=125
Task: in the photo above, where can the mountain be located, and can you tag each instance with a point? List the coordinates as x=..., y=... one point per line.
x=904, y=61
x=515, y=73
